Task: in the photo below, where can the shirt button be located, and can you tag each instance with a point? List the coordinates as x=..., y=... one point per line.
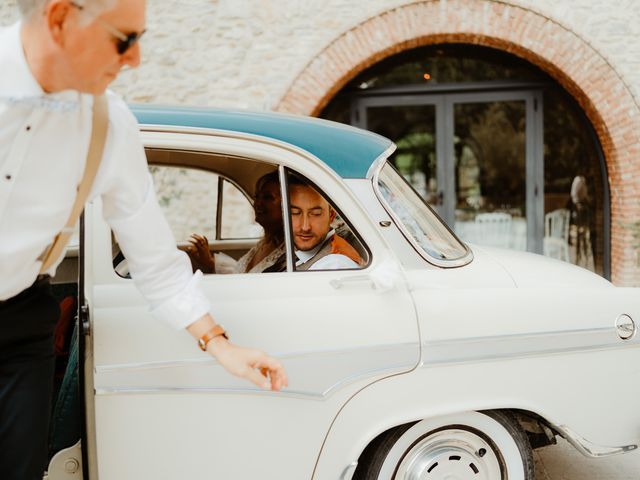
x=28, y=127
x=8, y=177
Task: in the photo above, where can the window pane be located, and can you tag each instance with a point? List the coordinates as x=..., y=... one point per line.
x=423, y=226
x=573, y=187
x=238, y=217
x=188, y=198
x=490, y=174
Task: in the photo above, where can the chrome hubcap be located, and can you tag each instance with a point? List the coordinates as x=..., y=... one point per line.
x=451, y=454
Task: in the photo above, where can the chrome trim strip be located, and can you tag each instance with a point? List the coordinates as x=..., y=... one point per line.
x=313, y=376
x=349, y=470
x=520, y=345
x=301, y=394
x=379, y=162
x=589, y=449
x=122, y=367
x=460, y=262
x=104, y=391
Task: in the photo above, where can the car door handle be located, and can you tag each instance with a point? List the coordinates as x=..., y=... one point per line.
x=338, y=283
x=385, y=277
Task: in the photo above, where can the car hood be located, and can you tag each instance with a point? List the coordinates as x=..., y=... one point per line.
x=533, y=270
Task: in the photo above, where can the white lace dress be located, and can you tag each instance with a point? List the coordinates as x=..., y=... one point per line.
x=261, y=266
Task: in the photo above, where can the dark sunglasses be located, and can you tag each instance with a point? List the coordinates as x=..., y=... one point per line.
x=124, y=42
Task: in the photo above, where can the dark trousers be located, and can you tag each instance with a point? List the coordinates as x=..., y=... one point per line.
x=27, y=323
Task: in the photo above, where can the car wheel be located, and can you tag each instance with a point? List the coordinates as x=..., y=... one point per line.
x=470, y=445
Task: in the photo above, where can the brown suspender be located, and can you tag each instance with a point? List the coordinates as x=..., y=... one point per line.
x=100, y=122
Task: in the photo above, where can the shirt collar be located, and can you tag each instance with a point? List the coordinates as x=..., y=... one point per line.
x=21, y=84
x=305, y=255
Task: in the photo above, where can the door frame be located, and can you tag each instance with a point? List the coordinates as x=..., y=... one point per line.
x=443, y=98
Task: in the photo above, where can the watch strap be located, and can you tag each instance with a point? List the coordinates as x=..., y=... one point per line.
x=213, y=332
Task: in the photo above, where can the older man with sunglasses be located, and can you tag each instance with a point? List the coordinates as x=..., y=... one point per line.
x=59, y=58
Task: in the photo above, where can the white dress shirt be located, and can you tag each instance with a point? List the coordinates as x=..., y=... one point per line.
x=44, y=140
x=333, y=261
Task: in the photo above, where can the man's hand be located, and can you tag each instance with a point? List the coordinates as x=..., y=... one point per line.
x=248, y=363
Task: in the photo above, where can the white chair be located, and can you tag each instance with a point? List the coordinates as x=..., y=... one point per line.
x=556, y=234
x=493, y=229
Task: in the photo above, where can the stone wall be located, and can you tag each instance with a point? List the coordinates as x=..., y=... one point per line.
x=247, y=53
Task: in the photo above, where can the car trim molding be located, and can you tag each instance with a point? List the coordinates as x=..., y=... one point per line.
x=589, y=449
x=379, y=162
x=313, y=375
x=520, y=345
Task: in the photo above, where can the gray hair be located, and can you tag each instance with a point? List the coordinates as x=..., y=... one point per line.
x=90, y=10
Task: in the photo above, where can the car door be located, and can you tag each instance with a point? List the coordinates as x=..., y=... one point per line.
x=163, y=409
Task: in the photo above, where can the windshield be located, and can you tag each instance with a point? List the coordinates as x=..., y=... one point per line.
x=419, y=223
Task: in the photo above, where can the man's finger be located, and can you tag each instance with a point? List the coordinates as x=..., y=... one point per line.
x=269, y=362
x=275, y=371
x=279, y=380
x=255, y=377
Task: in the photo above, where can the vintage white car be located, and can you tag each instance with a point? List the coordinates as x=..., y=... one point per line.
x=434, y=360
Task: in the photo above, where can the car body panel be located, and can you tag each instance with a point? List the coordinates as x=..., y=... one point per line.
x=366, y=350
x=563, y=388
x=530, y=270
x=560, y=358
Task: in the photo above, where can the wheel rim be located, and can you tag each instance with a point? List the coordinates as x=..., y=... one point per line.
x=451, y=454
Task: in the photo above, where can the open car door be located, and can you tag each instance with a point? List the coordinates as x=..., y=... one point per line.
x=163, y=409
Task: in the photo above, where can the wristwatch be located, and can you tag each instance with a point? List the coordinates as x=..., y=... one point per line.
x=209, y=335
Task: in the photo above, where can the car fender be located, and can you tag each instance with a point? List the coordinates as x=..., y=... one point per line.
x=549, y=386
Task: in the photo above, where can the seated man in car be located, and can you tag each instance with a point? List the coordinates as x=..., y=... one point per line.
x=318, y=247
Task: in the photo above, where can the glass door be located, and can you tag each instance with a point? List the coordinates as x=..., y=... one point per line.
x=475, y=157
x=412, y=123
x=495, y=170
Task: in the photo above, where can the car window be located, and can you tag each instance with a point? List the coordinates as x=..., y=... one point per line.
x=215, y=210
x=416, y=219
x=322, y=237
x=230, y=220
x=237, y=218
x=188, y=198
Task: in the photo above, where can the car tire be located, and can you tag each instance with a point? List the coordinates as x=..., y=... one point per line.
x=470, y=445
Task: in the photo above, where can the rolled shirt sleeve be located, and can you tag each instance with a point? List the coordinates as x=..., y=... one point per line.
x=161, y=272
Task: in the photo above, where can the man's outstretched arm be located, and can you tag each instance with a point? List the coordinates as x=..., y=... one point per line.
x=248, y=363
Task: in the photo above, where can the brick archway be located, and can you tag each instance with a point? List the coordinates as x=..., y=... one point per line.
x=578, y=67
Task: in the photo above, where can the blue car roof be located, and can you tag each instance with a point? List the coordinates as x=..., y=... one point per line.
x=348, y=150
